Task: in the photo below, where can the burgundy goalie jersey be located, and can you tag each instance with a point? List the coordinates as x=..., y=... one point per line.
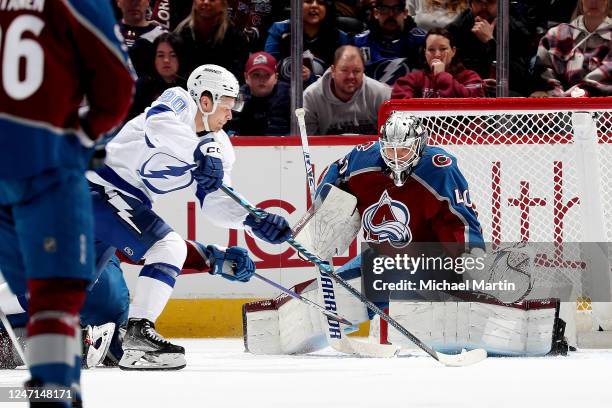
x=433, y=205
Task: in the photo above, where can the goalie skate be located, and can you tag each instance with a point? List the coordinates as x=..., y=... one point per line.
x=145, y=349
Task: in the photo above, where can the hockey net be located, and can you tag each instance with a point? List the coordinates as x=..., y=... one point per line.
x=538, y=171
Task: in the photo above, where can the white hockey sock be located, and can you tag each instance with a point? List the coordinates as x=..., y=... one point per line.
x=153, y=289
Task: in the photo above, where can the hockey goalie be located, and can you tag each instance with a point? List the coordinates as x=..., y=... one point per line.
x=402, y=192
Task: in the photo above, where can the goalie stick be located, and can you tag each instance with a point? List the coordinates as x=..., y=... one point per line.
x=336, y=339
x=452, y=360
x=300, y=113
x=331, y=315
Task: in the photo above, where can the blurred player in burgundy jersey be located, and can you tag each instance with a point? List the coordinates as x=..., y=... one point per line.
x=54, y=54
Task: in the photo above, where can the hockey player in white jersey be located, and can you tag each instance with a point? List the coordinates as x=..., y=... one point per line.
x=177, y=143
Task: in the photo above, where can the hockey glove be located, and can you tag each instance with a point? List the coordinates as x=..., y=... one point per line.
x=233, y=263
x=209, y=173
x=273, y=228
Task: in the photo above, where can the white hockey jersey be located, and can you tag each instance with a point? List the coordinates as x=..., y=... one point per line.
x=153, y=155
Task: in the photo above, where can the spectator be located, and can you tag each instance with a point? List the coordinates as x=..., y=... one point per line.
x=169, y=13
x=577, y=57
x=266, y=100
x=343, y=100
x=167, y=63
x=430, y=14
x=254, y=18
x=138, y=33
x=210, y=38
x=391, y=46
x=474, y=33
x=321, y=36
x=443, y=76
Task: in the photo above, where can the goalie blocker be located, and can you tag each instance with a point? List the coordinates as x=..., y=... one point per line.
x=286, y=326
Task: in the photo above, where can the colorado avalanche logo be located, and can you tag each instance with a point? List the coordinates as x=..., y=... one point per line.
x=164, y=173
x=387, y=221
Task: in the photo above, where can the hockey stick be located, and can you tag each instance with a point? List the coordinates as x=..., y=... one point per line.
x=331, y=315
x=453, y=360
x=343, y=344
x=300, y=113
x=13, y=337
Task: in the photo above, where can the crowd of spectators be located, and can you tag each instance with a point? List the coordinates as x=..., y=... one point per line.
x=358, y=53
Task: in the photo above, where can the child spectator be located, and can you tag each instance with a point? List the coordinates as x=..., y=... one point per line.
x=210, y=38
x=266, y=100
x=321, y=36
x=576, y=58
x=429, y=14
x=443, y=76
x=167, y=65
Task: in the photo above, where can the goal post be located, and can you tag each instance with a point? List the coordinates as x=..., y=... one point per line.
x=539, y=170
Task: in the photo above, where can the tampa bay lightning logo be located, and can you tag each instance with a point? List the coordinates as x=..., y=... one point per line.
x=164, y=173
x=388, y=70
x=387, y=221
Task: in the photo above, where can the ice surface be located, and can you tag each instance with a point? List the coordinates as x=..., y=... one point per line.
x=220, y=374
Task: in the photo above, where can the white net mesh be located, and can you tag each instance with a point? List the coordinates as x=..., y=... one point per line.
x=540, y=175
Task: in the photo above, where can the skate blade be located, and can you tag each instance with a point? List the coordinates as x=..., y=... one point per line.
x=150, y=360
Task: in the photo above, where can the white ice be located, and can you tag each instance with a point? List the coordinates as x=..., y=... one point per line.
x=220, y=374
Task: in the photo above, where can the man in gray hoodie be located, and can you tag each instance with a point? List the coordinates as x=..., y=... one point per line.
x=344, y=100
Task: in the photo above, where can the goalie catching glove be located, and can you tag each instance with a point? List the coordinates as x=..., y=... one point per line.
x=511, y=264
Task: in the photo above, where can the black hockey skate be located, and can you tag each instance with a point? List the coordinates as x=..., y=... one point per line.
x=145, y=349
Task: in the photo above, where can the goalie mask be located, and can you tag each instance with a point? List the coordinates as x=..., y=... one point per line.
x=219, y=83
x=402, y=140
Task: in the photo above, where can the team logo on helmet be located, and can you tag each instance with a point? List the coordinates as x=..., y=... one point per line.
x=387, y=221
x=164, y=173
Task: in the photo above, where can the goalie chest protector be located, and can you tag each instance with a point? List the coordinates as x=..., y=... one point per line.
x=433, y=205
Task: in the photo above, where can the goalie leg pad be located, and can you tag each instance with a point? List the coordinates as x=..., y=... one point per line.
x=285, y=325
x=524, y=329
